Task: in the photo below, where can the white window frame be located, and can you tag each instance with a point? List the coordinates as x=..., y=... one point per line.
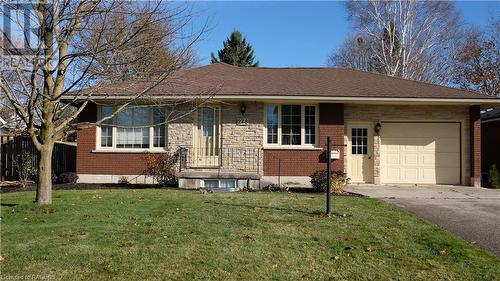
x=235, y=183
x=115, y=136
x=302, y=127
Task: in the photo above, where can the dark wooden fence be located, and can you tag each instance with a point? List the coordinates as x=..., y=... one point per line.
x=63, y=158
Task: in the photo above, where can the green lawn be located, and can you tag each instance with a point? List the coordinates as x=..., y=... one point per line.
x=185, y=235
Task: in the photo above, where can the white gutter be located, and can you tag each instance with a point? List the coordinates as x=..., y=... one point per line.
x=2, y=121
x=309, y=98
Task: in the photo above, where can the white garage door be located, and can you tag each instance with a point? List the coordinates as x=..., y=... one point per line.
x=420, y=153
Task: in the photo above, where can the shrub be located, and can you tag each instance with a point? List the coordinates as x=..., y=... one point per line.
x=26, y=167
x=276, y=187
x=123, y=180
x=494, y=177
x=161, y=167
x=338, y=181
x=68, y=177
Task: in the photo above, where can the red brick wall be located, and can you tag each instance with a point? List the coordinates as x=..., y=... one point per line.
x=88, y=162
x=490, y=148
x=475, y=144
x=296, y=162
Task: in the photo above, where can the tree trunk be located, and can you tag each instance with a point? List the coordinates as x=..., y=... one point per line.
x=44, y=186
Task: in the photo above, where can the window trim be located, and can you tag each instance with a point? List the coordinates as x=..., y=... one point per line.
x=113, y=148
x=302, y=127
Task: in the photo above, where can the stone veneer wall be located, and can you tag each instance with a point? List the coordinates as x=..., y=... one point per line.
x=241, y=137
x=407, y=113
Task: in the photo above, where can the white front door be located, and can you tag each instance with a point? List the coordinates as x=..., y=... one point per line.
x=360, y=153
x=207, y=140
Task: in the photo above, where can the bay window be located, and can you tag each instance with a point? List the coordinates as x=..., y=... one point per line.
x=291, y=124
x=134, y=127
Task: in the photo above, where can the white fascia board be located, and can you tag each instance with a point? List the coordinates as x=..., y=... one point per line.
x=317, y=99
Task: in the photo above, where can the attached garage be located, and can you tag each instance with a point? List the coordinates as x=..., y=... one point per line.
x=426, y=153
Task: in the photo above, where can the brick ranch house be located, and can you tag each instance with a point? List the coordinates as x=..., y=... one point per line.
x=271, y=124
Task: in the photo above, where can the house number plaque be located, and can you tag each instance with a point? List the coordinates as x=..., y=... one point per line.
x=242, y=122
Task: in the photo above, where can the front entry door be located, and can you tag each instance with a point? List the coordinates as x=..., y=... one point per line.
x=360, y=162
x=207, y=147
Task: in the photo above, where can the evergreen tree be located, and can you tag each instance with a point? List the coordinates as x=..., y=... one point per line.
x=236, y=51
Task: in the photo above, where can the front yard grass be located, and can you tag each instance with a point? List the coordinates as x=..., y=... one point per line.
x=148, y=234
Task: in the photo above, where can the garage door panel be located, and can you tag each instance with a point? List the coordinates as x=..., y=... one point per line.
x=393, y=158
x=429, y=174
x=448, y=145
x=410, y=158
x=428, y=159
x=420, y=153
x=393, y=173
x=451, y=160
x=411, y=173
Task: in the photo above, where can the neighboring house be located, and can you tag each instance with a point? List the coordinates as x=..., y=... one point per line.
x=490, y=139
x=271, y=125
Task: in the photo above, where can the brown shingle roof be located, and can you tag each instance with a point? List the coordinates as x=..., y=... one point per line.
x=262, y=81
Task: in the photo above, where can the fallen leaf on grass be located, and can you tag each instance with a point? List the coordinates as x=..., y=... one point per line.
x=369, y=249
x=444, y=251
x=473, y=242
x=2, y=259
x=336, y=258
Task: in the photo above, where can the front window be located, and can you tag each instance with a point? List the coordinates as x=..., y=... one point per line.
x=291, y=124
x=133, y=127
x=310, y=124
x=272, y=124
x=106, y=130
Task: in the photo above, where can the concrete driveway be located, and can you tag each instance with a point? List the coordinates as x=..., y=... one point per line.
x=471, y=213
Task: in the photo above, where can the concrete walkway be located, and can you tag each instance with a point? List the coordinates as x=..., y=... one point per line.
x=471, y=213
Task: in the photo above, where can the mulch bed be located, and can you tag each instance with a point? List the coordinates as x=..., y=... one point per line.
x=8, y=187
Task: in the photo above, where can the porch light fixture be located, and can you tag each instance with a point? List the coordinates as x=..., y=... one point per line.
x=243, y=109
x=378, y=127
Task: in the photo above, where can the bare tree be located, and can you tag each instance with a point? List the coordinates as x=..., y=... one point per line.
x=408, y=38
x=148, y=52
x=355, y=53
x=477, y=62
x=63, y=68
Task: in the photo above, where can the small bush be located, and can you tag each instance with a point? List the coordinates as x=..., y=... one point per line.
x=338, y=182
x=276, y=187
x=494, y=177
x=26, y=167
x=68, y=177
x=123, y=180
x=161, y=167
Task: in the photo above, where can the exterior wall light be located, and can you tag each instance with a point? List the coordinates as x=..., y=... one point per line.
x=378, y=127
x=243, y=109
